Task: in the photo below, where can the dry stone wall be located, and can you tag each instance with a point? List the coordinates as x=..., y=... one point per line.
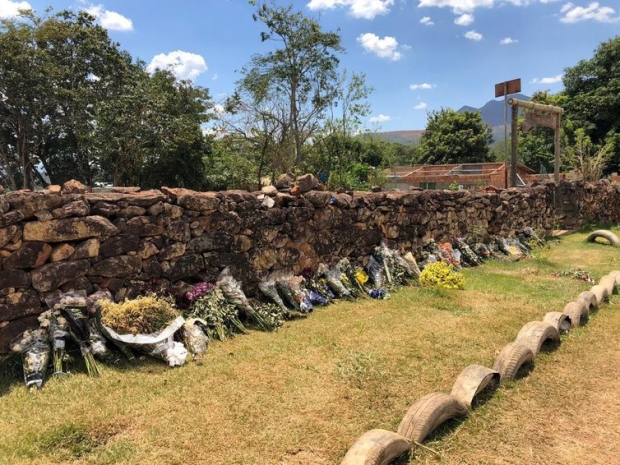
x=62, y=239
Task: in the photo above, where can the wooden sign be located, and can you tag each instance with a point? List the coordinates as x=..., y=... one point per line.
x=533, y=119
x=507, y=88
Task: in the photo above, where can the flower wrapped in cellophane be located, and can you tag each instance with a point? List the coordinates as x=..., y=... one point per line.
x=231, y=289
x=195, y=338
x=146, y=323
x=34, y=347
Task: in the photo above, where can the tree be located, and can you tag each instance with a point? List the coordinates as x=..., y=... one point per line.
x=52, y=72
x=346, y=111
x=303, y=68
x=264, y=126
x=591, y=95
x=73, y=105
x=230, y=164
x=452, y=137
x=589, y=160
x=151, y=134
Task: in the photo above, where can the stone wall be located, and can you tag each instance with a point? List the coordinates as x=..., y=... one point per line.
x=67, y=239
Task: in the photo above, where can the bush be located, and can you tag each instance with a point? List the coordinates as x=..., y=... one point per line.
x=441, y=274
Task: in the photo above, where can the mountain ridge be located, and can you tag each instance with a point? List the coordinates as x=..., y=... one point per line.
x=492, y=113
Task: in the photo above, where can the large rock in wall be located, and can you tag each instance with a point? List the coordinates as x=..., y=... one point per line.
x=51, y=242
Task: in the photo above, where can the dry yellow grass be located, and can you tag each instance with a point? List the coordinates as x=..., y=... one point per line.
x=303, y=395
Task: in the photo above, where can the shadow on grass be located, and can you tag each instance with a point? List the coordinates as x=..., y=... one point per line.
x=550, y=346
x=12, y=373
x=485, y=395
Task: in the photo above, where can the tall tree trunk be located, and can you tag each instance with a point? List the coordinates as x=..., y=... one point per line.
x=10, y=174
x=24, y=155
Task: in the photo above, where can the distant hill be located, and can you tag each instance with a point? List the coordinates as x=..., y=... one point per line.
x=492, y=113
x=401, y=137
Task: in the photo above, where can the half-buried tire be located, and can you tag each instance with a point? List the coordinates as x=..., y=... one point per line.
x=601, y=293
x=590, y=299
x=604, y=234
x=472, y=381
x=559, y=320
x=510, y=360
x=430, y=411
x=609, y=283
x=577, y=312
x=535, y=333
x=376, y=447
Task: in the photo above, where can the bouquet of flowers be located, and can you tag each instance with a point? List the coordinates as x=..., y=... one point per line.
x=269, y=290
x=34, y=348
x=58, y=329
x=231, y=289
x=295, y=295
x=349, y=278
x=413, y=265
x=221, y=317
x=375, y=271
x=468, y=256
x=273, y=314
x=332, y=278
x=146, y=323
x=195, y=339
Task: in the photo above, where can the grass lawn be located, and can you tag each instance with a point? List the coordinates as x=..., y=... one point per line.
x=303, y=394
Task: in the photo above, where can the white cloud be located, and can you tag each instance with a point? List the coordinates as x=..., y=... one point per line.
x=464, y=20
x=594, y=12
x=508, y=41
x=458, y=6
x=420, y=106
x=473, y=35
x=215, y=77
x=10, y=9
x=427, y=21
x=110, y=19
x=424, y=86
x=467, y=6
x=384, y=48
x=548, y=80
x=184, y=65
x=366, y=9
x=379, y=119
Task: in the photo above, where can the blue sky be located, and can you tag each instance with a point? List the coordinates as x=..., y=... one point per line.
x=419, y=55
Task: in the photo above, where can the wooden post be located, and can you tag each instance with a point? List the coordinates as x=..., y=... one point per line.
x=505, y=134
x=556, y=146
x=513, y=154
x=552, y=121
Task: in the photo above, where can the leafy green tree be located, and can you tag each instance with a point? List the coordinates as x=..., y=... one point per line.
x=589, y=160
x=24, y=86
x=151, y=134
x=452, y=137
x=53, y=72
x=591, y=96
x=231, y=164
x=73, y=105
x=302, y=68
